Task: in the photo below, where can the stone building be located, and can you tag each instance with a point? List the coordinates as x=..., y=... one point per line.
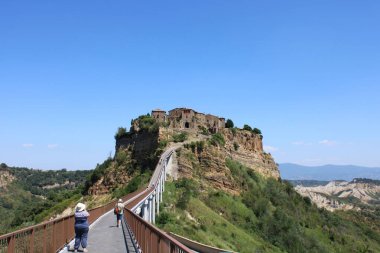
x=185, y=118
x=159, y=115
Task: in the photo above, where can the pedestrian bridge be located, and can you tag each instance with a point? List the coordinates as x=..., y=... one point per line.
x=137, y=234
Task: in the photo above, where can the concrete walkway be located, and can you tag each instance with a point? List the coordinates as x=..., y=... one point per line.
x=104, y=236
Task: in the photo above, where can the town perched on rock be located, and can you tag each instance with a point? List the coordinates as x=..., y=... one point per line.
x=189, y=119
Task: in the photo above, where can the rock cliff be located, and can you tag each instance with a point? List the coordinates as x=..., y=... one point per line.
x=205, y=160
x=139, y=149
x=6, y=178
x=342, y=195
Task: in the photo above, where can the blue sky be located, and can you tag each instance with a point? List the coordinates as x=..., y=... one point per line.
x=307, y=73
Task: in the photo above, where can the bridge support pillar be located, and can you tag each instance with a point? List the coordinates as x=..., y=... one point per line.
x=151, y=204
x=146, y=211
x=163, y=182
x=158, y=199
x=153, y=208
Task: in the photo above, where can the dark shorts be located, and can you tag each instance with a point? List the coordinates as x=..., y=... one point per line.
x=118, y=216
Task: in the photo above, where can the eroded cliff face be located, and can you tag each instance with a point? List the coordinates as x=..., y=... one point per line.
x=5, y=178
x=147, y=138
x=247, y=148
x=208, y=162
x=134, y=153
x=333, y=196
x=116, y=175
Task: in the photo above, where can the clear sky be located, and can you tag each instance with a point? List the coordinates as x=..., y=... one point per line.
x=307, y=73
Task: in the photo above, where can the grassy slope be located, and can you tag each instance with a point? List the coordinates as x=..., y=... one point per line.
x=208, y=227
x=20, y=208
x=26, y=202
x=269, y=216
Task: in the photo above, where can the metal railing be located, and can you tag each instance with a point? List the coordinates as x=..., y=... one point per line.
x=152, y=239
x=149, y=238
x=51, y=236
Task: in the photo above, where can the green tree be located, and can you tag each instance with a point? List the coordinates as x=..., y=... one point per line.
x=247, y=127
x=256, y=131
x=229, y=123
x=121, y=132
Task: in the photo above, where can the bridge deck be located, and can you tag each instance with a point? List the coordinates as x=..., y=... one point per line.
x=104, y=236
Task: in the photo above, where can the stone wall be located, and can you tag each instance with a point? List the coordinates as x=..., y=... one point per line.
x=142, y=145
x=185, y=118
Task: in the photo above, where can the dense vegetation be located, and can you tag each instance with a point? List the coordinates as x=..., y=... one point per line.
x=121, y=133
x=229, y=123
x=147, y=123
x=36, y=194
x=180, y=137
x=268, y=216
x=366, y=181
x=308, y=183
x=253, y=130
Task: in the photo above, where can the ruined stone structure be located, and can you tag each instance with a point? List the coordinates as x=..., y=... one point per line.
x=185, y=118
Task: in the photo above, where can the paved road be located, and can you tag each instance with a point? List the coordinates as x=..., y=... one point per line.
x=104, y=236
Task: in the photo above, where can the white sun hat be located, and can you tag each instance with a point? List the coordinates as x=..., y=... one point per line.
x=80, y=207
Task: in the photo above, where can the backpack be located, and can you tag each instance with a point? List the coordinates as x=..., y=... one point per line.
x=116, y=210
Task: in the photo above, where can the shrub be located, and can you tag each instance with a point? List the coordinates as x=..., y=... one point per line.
x=256, y=131
x=162, y=144
x=121, y=156
x=164, y=218
x=183, y=200
x=217, y=139
x=204, y=130
x=181, y=137
x=188, y=185
x=188, y=188
x=121, y=132
x=197, y=146
x=236, y=146
x=229, y=123
x=148, y=124
x=99, y=171
x=247, y=127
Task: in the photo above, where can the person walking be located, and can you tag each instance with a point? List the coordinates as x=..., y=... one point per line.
x=81, y=227
x=119, y=210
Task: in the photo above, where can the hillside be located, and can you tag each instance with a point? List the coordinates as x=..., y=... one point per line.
x=28, y=196
x=138, y=150
x=264, y=214
x=356, y=194
x=292, y=171
x=225, y=191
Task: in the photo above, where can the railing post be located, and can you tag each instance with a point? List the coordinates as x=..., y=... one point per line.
x=53, y=236
x=31, y=242
x=44, y=240
x=11, y=244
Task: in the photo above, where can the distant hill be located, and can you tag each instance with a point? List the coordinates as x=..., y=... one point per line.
x=359, y=194
x=292, y=171
x=28, y=196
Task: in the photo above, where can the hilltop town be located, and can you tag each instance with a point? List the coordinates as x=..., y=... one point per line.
x=185, y=118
